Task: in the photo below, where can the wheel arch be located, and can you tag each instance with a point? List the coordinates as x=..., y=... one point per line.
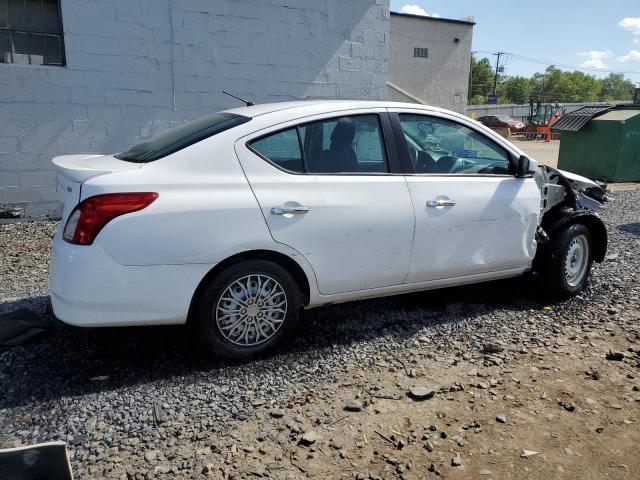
x=552, y=223
x=285, y=261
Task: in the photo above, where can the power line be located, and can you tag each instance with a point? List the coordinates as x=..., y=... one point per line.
x=567, y=65
x=541, y=61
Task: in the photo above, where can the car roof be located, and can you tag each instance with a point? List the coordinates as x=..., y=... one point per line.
x=321, y=106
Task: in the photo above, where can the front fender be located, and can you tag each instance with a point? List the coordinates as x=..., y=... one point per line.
x=554, y=221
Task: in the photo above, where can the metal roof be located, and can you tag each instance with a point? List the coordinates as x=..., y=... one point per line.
x=620, y=115
x=574, y=121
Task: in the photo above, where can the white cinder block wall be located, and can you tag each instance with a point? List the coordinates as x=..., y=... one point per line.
x=136, y=67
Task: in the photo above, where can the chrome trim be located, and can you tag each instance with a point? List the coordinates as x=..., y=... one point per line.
x=441, y=203
x=289, y=210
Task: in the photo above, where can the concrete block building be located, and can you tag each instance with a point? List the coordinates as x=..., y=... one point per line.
x=429, y=60
x=97, y=76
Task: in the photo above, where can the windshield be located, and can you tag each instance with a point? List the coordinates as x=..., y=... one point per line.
x=504, y=118
x=181, y=137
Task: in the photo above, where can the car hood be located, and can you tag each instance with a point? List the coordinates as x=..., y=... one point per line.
x=580, y=182
x=588, y=194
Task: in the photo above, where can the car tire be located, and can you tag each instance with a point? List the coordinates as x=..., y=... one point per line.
x=248, y=309
x=566, y=270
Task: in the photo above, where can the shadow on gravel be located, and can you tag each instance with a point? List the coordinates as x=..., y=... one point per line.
x=633, y=228
x=70, y=361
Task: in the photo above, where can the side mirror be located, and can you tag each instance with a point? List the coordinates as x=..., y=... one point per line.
x=522, y=169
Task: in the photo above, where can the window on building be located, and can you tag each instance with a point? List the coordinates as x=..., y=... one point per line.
x=420, y=52
x=31, y=32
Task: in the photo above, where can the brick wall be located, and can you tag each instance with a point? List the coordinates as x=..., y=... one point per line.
x=136, y=67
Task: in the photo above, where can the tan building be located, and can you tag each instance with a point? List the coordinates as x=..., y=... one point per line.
x=429, y=60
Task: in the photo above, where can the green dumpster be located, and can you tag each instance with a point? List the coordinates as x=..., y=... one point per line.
x=602, y=143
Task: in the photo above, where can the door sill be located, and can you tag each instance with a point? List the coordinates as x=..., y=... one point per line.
x=416, y=287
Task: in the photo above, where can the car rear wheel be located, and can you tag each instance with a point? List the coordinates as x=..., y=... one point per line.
x=248, y=309
x=567, y=270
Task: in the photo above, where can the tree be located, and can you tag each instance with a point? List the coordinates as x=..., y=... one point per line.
x=554, y=85
x=615, y=87
x=515, y=89
x=481, y=80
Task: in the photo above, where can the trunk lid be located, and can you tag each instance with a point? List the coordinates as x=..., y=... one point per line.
x=73, y=170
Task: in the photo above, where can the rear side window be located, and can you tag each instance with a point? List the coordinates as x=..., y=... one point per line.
x=181, y=137
x=283, y=149
x=344, y=145
x=352, y=144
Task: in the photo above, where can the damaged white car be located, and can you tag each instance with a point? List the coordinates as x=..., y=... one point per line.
x=237, y=221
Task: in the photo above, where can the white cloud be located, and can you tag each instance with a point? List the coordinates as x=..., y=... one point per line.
x=594, y=64
x=417, y=10
x=636, y=40
x=632, y=24
x=632, y=55
x=596, y=54
x=595, y=58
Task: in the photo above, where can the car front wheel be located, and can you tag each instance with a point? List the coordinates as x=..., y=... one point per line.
x=567, y=270
x=248, y=309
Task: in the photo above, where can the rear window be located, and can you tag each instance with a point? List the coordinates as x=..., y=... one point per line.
x=182, y=136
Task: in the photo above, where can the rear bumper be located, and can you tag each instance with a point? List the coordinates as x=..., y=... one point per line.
x=88, y=288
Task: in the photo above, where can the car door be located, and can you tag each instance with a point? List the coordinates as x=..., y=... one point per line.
x=473, y=216
x=326, y=188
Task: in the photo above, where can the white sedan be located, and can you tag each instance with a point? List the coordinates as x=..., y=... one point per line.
x=238, y=220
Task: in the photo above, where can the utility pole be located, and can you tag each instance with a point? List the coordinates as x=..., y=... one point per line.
x=470, y=92
x=495, y=79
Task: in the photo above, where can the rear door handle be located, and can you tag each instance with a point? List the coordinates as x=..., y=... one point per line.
x=441, y=203
x=289, y=210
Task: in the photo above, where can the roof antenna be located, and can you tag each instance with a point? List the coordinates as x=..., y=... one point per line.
x=249, y=104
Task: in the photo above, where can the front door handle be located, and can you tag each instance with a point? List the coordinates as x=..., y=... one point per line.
x=441, y=203
x=289, y=210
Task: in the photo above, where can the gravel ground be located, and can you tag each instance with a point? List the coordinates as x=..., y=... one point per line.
x=150, y=402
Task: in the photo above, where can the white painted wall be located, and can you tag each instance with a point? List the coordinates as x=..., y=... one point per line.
x=136, y=67
x=442, y=79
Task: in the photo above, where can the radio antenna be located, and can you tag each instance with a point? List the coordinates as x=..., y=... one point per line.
x=249, y=104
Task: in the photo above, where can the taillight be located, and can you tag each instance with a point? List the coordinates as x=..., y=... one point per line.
x=90, y=215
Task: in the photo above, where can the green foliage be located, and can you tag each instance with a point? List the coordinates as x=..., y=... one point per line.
x=515, y=89
x=481, y=79
x=615, y=87
x=554, y=85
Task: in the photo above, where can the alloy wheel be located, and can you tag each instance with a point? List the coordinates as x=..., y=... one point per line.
x=251, y=310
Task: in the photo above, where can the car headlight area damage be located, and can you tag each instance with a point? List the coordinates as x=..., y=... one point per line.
x=566, y=199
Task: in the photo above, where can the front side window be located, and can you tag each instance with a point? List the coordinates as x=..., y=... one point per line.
x=441, y=146
x=31, y=32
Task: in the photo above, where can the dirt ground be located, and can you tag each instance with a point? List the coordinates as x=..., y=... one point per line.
x=566, y=405
x=545, y=153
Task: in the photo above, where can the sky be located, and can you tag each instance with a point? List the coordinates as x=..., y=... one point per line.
x=599, y=36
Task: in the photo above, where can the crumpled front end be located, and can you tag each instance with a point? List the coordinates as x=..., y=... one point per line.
x=567, y=198
x=565, y=189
